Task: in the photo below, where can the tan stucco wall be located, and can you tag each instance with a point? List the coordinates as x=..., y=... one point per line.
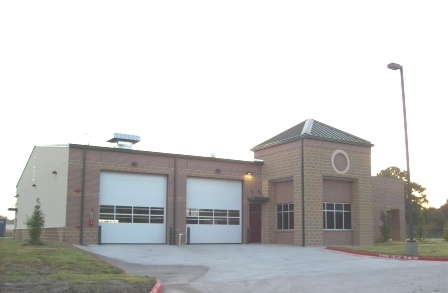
x=50, y=188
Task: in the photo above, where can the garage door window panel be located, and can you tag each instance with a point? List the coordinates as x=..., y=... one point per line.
x=107, y=218
x=129, y=214
x=107, y=214
x=234, y=217
x=141, y=210
x=205, y=216
x=123, y=218
x=124, y=210
x=107, y=209
x=213, y=217
x=157, y=216
x=141, y=219
x=220, y=217
x=192, y=216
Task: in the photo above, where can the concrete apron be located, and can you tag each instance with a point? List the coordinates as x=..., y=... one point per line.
x=271, y=268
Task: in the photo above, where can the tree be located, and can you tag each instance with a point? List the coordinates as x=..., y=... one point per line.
x=386, y=228
x=444, y=210
x=421, y=226
x=445, y=231
x=417, y=200
x=413, y=202
x=35, y=224
x=434, y=221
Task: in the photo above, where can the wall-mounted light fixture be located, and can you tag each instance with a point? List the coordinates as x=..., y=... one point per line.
x=54, y=172
x=248, y=173
x=34, y=185
x=134, y=164
x=217, y=170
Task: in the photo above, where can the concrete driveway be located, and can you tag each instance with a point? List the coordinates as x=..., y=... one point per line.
x=272, y=268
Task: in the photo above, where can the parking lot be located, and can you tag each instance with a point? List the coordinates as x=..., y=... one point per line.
x=272, y=268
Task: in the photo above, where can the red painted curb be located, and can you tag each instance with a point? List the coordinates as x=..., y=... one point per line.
x=158, y=287
x=385, y=255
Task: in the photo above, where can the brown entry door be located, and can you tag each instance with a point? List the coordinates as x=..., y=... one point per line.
x=255, y=223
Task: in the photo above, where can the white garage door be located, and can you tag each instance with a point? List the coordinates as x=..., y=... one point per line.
x=132, y=208
x=214, y=210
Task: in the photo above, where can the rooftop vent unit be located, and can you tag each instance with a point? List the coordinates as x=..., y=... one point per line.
x=124, y=141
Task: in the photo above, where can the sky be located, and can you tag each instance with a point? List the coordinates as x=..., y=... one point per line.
x=220, y=77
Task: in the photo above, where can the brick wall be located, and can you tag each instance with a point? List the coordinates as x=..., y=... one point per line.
x=104, y=159
x=284, y=161
x=69, y=235
x=338, y=237
x=281, y=162
x=338, y=191
x=283, y=194
x=319, y=166
x=388, y=194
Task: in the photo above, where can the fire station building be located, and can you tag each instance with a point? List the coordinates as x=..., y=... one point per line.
x=310, y=185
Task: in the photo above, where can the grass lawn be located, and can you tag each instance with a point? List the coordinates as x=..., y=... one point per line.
x=430, y=247
x=9, y=233
x=59, y=267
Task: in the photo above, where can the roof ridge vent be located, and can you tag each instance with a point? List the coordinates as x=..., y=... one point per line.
x=124, y=141
x=307, y=127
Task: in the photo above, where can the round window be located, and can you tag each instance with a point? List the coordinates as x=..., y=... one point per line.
x=340, y=161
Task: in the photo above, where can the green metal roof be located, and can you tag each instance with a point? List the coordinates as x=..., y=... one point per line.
x=312, y=129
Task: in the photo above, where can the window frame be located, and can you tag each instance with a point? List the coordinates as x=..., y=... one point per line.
x=337, y=216
x=131, y=214
x=198, y=216
x=285, y=217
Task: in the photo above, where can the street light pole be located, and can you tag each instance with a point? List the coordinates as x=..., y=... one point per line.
x=413, y=247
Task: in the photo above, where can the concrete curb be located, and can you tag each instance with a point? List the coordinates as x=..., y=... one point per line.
x=385, y=255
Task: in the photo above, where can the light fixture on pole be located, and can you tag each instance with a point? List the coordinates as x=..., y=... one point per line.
x=411, y=246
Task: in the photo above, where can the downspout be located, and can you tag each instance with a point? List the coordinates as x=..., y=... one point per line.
x=174, y=199
x=307, y=128
x=82, y=195
x=303, y=192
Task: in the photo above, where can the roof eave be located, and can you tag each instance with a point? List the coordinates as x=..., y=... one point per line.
x=261, y=147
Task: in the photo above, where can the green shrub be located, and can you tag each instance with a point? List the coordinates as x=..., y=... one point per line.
x=445, y=231
x=35, y=224
x=420, y=227
x=386, y=228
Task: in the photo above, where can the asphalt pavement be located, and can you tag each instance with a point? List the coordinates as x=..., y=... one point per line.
x=272, y=268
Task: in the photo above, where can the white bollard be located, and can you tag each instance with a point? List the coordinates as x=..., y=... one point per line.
x=180, y=238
